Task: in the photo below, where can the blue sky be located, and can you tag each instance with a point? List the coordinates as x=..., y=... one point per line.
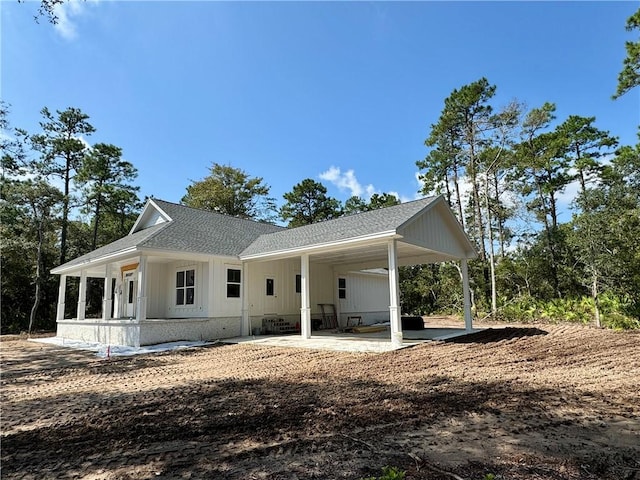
x=342, y=92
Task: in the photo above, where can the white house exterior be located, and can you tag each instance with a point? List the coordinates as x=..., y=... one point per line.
x=188, y=274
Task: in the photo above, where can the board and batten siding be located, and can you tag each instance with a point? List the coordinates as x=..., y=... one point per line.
x=367, y=295
x=435, y=232
x=157, y=280
x=199, y=309
x=285, y=300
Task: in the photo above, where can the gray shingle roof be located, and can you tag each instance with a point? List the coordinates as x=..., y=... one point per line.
x=343, y=228
x=190, y=231
x=202, y=231
x=120, y=245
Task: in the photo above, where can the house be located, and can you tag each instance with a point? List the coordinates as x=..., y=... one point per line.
x=188, y=274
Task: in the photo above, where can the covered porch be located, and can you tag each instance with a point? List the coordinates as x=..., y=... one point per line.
x=429, y=235
x=147, y=297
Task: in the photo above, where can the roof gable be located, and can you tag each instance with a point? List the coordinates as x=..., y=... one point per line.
x=436, y=228
x=151, y=215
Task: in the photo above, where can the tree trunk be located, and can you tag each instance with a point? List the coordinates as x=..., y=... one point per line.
x=550, y=242
x=38, y=280
x=457, y=189
x=96, y=219
x=496, y=197
x=492, y=264
x=594, y=295
x=65, y=215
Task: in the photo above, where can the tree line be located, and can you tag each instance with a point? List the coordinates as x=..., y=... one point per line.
x=502, y=171
x=60, y=197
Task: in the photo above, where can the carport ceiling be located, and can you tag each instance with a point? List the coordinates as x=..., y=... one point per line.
x=376, y=255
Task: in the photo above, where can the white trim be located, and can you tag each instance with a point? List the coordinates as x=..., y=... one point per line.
x=82, y=296
x=228, y=267
x=62, y=292
x=106, y=300
x=305, y=307
x=141, y=307
x=466, y=294
x=196, y=286
x=245, y=328
x=135, y=251
x=394, y=296
x=319, y=247
x=98, y=261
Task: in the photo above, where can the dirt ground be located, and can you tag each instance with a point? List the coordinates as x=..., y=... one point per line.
x=534, y=402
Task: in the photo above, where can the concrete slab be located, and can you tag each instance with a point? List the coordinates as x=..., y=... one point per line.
x=377, y=342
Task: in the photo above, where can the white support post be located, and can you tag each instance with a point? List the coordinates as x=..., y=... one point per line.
x=466, y=294
x=394, y=296
x=211, y=291
x=141, y=307
x=246, y=321
x=305, y=308
x=106, y=301
x=82, y=295
x=62, y=292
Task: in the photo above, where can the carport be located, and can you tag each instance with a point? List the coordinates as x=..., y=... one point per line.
x=419, y=232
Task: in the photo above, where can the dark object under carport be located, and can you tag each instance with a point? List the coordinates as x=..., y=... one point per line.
x=412, y=323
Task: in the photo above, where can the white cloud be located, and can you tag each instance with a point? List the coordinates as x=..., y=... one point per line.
x=68, y=13
x=347, y=181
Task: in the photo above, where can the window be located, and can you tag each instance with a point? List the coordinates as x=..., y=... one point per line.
x=130, y=293
x=270, y=287
x=233, y=283
x=342, y=288
x=298, y=283
x=185, y=287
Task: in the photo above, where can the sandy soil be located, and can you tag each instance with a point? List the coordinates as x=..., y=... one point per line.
x=545, y=402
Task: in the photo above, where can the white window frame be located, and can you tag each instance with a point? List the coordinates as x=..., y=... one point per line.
x=342, y=291
x=185, y=287
x=229, y=283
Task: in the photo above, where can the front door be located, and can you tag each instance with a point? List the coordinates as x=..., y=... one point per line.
x=130, y=293
x=270, y=295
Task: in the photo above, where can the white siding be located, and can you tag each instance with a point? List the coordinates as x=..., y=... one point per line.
x=286, y=301
x=434, y=231
x=157, y=280
x=367, y=295
x=199, y=308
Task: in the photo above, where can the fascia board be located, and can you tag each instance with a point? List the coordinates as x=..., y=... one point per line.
x=180, y=255
x=323, y=247
x=95, y=261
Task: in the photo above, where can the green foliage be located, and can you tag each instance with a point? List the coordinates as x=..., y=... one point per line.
x=231, y=191
x=357, y=205
x=62, y=152
x=617, y=312
x=308, y=203
x=37, y=231
x=629, y=76
x=389, y=473
x=104, y=178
